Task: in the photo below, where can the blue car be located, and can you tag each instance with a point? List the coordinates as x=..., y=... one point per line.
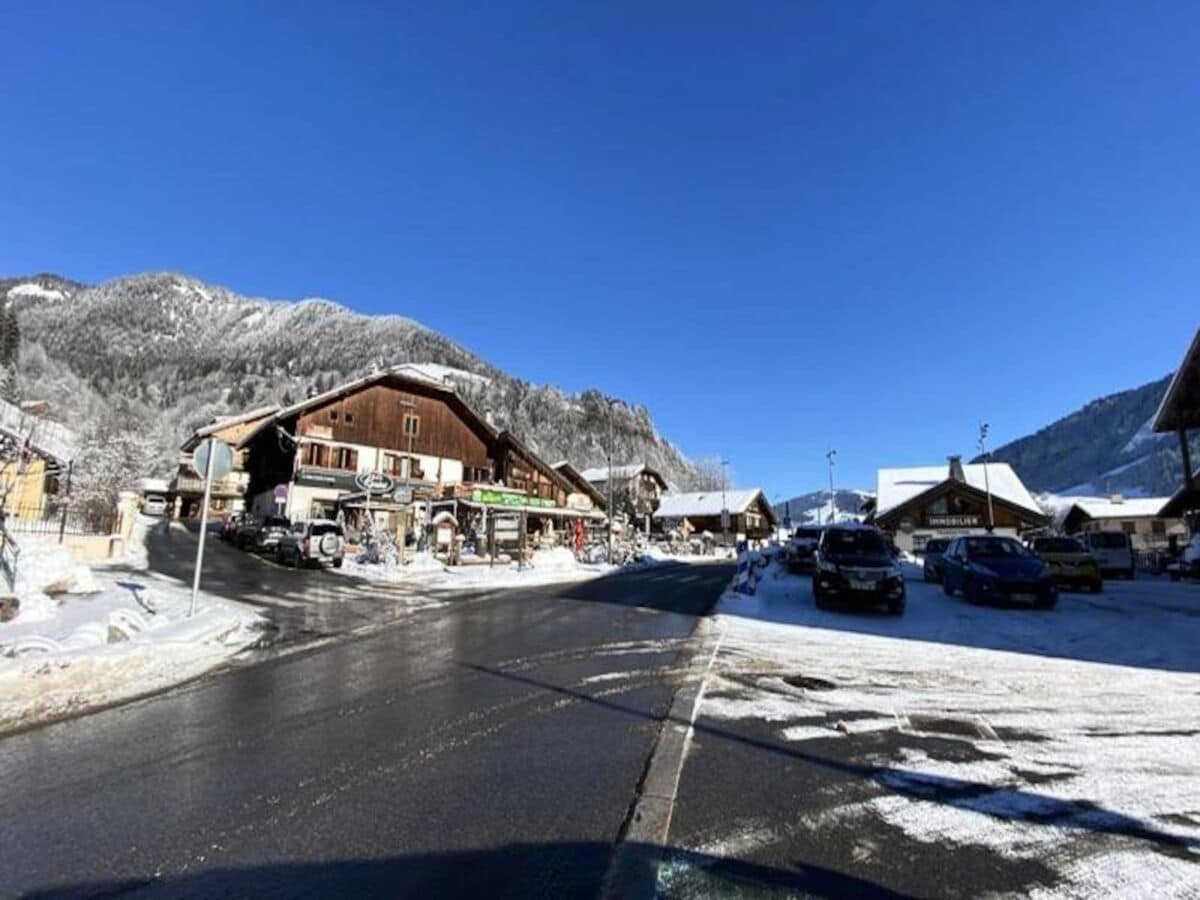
x=989, y=568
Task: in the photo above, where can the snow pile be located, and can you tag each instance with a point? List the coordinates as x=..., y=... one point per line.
x=31, y=289
x=101, y=638
x=1085, y=720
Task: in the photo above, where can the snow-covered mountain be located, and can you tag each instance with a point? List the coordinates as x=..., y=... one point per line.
x=1107, y=446
x=813, y=508
x=171, y=352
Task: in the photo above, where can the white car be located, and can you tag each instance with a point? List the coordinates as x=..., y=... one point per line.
x=154, y=505
x=312, y=542
x=1113, y=551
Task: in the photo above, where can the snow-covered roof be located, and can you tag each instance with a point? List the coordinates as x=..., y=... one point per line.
x=706, y=503
x=600, y=473
x=47, y=438
x=1173, y=410
x=1126, y=508
x=221, y=422
x=896, y=487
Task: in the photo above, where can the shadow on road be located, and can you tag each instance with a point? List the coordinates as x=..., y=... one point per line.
x=687, y=589
x=1006, y=804
x=566, y=869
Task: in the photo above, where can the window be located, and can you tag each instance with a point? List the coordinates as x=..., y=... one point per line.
x=1129, y=527
x=412, y=425
x=345, y=458
x=333, y=415
x=393, y=465
x=315, y=455
x=1158, y=526
x=349, y=418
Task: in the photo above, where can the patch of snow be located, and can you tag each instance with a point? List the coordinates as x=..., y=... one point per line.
x=30, y=289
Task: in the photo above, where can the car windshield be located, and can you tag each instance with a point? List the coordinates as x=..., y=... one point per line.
x=807, y=534
x=857, y=541
x=994, y=548
x=1057, y=545
x=1110, y=540
x=937, y=545
x=321, y=528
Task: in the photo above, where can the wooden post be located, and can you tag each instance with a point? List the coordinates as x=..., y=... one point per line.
x=491, y=541
x=522, y=535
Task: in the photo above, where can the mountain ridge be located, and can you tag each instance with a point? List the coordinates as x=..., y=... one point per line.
x=171, y=352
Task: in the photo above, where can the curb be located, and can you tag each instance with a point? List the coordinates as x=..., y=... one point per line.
x=633, y=871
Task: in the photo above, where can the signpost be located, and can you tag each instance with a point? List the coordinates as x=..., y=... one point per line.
x=281, y=492
x=212, y=459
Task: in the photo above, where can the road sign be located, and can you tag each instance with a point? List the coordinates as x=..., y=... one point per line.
x=281, y=493
x=222, y=458
x=374, y=482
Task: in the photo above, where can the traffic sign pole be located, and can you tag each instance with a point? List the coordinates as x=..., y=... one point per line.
x=208, y=467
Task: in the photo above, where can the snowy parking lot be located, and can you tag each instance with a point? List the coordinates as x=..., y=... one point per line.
x=1049, y=752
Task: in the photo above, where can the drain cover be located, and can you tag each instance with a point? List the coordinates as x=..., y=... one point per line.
x=951, y=726
x=808, y=683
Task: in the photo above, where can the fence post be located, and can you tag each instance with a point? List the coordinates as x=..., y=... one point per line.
x=62, y=523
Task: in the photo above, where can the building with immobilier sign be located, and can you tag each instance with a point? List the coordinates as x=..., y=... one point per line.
x=923, y=502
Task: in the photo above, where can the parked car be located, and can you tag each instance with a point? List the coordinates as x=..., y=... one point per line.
x=312, y=541
x=994, y=568
x=261, y=535
x=154, y=505
x=230, y=524
x=1188, y=565
x=934, y=548
x=800, y=549
x=854, y=565
x=1113, y=551
x=1070, y=562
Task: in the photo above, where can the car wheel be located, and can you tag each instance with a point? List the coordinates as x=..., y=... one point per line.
x=896, y=607
x=947, y=589
x=337, y=563
x=1097, y=586
x=1047, y=602
x=1131, y=574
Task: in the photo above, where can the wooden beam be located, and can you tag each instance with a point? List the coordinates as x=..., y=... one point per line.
x=1186, y=452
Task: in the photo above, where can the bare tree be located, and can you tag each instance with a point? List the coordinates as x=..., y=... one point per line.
x=709, y=475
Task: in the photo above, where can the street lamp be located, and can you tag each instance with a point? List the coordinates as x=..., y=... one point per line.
x=724, y=505
x=612, y=401
x=983, y=433
x=832, y=505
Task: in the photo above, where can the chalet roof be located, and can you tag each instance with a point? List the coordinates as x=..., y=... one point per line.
x=403, y=374
x=599, y=474
x=575, y=477
x=708, y=503
x=45, y=437
x=1180, y=405
x=546, y=469
x=222, y=422
x=896, y=487
x=1128, y=508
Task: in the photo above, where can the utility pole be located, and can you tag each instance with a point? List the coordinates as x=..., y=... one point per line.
x=611, y=512
x=832, y=505
x=983, y=433
x=724, y=505
x=409, y=426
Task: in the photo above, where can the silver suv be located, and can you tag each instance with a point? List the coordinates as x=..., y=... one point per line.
x=312, y=541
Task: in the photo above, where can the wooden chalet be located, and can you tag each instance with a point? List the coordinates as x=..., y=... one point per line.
x=1179, y=412
x=699, y=514
x=228, y=494
x=923, y=502
x=426, y=452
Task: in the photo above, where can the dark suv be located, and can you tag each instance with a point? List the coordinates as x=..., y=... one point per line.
x=262, y=536
x=855, y=565
x=934, y=550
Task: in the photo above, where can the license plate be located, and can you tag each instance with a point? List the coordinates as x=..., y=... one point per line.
x=856, y=585
x=1025, y=597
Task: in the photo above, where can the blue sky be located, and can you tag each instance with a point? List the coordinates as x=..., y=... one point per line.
x=779, y=226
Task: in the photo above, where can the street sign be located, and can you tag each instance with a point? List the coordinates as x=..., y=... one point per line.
x=222, y=458
x=374, y=482
x=281, y=493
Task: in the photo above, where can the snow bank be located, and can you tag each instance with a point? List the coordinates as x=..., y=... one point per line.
x=545, y=567
x=83, y=639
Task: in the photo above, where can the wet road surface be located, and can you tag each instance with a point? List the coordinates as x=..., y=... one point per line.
x=486, y=747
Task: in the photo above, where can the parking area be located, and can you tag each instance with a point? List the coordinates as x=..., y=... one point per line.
x=957, y=750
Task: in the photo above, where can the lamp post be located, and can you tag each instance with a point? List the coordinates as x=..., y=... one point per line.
x=612, y=401
x=832, y=506
x=983, y=433
x=409, y=428
x=724, y=505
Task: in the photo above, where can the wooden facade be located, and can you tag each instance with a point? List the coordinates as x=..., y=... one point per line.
x=954, y=508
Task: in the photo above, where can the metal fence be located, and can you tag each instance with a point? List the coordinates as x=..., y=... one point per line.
x=58, y=519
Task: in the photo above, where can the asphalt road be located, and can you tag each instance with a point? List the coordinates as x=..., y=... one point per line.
x=491, y=746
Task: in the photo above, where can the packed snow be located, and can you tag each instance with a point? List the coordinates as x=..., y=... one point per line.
x=545, y=567
x=85, y=638
x=1085, y=719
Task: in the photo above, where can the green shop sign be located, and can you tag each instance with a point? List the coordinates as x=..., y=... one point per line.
x=503, y=498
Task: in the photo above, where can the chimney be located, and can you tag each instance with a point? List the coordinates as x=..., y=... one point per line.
x=956, y=469
x=1116, y=498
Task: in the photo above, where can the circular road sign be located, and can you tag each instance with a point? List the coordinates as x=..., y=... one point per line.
x=222, y=458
